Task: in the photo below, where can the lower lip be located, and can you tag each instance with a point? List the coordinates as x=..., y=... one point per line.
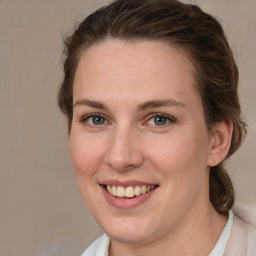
x=126, y=203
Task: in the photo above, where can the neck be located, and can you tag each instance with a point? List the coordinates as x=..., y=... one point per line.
x=195, y=236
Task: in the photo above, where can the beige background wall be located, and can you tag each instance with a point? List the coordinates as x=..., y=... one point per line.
x=41, y=211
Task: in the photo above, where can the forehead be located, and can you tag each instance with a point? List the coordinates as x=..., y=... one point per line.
x=138, y=66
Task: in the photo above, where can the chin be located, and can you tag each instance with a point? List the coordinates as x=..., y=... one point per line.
x=125, y=231
x=129, y=237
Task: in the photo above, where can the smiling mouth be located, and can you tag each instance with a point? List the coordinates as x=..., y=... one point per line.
x=129, y=191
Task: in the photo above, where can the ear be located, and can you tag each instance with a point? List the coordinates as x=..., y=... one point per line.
x=220, y=142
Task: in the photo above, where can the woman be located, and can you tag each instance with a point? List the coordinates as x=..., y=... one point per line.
x=150, y=93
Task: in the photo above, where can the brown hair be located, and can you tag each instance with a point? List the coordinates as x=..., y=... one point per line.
x=181, y=25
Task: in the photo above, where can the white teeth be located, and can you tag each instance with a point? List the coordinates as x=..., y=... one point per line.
x=143, y=190
x=120, y=192
x=114, y=193
x=129, y=191
x=137, y=191
x=109, y=188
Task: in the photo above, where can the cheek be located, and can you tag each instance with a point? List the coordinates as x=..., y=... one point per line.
x=179, y=153
x=183, y=167
x=182, y=162
x=86, y=157
x=85, y=153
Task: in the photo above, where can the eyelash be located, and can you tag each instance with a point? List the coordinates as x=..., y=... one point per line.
x=170, y=119
x=84, y=119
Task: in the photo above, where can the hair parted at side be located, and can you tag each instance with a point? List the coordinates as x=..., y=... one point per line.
x=178, y=24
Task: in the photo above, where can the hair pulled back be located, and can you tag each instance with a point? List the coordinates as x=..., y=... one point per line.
x=178, y=24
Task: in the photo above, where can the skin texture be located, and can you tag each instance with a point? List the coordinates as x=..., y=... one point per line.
x=128, y=144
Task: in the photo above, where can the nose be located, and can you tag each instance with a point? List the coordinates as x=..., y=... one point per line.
x=123, y=152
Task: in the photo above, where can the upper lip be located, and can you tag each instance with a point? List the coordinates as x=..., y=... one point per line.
x=125, y=183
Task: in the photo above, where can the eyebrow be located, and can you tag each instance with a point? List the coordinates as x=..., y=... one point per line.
x=160, y=103
x=141, y=107
x=90, y=103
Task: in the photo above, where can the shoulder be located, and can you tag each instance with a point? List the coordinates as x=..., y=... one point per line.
x=99, y=247
x=243, y=234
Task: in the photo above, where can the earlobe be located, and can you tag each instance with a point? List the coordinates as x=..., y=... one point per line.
x=221, y=140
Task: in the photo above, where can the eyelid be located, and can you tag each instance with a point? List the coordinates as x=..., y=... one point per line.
x=170, y=118
x=160, y=114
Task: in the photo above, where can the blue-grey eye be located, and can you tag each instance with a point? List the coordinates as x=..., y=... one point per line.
x=96, y=120
x=160, y=120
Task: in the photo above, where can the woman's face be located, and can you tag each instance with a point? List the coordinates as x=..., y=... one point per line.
x=138, y=130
